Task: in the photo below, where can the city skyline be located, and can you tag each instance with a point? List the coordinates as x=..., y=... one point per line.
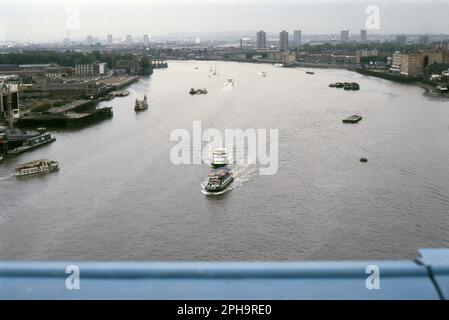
x=77, y=19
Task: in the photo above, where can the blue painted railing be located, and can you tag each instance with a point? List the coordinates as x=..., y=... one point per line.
x=427, y=277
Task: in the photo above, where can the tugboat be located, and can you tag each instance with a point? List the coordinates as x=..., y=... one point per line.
x=36, y=166
x=219, y=158
x=141, y=105
x=219, y=181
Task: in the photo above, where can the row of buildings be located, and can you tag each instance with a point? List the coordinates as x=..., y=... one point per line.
x=128, y=40
x=284, y=40
x=413, y=63
x=261, y=40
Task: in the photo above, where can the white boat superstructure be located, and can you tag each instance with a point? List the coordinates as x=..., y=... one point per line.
x=442, y=88
x=36, y=166
x=219, y=157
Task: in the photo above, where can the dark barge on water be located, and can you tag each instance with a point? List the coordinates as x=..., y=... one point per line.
x=76, y=113
x=352, y=119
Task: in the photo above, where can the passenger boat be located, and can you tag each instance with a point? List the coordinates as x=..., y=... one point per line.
x=36, y=166
x=352, y=119
x=197, y=91
x=219, y=181
x=141, y=105
x=219, y=158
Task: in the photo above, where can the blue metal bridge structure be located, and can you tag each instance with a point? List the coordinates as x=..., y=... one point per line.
x=426, y=277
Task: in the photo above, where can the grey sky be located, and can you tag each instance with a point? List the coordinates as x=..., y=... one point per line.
x=41, y=20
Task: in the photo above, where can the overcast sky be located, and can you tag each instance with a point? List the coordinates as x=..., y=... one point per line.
x=41, y=20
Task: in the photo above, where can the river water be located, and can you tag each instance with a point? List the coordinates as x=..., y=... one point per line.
x=119, y=197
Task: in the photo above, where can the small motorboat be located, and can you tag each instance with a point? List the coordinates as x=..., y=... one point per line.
x=310, y=72
x=36, y=166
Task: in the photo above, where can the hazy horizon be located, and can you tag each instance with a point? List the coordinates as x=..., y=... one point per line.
x=48, y=20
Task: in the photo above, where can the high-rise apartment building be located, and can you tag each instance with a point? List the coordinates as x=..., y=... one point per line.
x=297, y=38
x=344, y=36
x=363, y=35
x=129, y=40
x=283, y=40
x=146, y=40
x=261, y=40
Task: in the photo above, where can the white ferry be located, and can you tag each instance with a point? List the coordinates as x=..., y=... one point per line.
x=36, y=166
x=219, y=158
